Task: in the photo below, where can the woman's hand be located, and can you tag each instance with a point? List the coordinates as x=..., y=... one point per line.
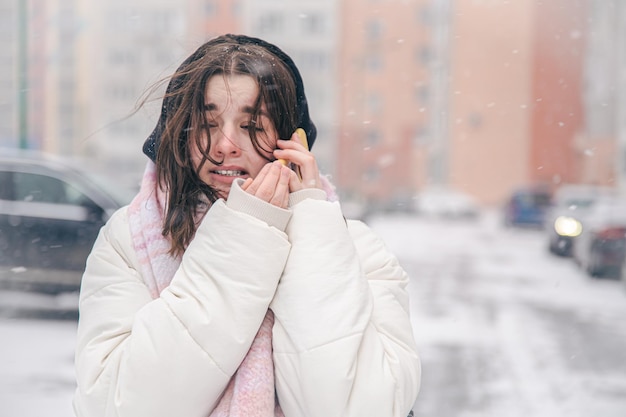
x=273, y=184
x=296, y=153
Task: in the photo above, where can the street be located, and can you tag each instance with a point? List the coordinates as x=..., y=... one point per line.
x=503, y=328
x=506, y=329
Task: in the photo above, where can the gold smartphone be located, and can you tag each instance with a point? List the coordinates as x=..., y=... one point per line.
x=303, y=139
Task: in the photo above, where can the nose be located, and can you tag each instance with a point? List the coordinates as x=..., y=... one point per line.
x=224, y=141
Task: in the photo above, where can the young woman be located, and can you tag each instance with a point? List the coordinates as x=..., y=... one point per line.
x=232, y=286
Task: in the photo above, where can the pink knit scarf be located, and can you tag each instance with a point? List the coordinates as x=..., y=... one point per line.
x=251, y=391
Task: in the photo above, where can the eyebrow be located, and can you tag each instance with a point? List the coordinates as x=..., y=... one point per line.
x=245, y=109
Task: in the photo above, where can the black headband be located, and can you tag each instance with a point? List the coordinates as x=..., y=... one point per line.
x=151, y=145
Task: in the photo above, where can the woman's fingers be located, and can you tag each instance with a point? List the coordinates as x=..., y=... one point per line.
x=280, y=197
x=254, y=185
x=271, y=185
x=293, y=151
x=246, y=184
x=275, y=181
x=267, y=185
x=294, y=182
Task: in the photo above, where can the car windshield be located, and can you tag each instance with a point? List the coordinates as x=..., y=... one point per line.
x=542, y=200
x=578, y=203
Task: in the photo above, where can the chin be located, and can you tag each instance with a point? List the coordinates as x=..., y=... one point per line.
x=222, y=193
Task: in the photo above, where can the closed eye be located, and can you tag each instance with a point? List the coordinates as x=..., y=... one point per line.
x=255, y=127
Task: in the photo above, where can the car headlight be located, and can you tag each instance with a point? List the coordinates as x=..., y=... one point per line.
x=567, y=226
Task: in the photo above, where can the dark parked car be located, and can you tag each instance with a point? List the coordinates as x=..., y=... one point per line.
x=601, y=247
x=527, y=208
x=50, y=215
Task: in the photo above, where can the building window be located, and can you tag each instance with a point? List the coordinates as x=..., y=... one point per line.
x=236, y=8
x=121, y=92
x=373, y=62
x=313, y=24
x=269, y=23
x=374, y=30
x=374, y=102
x=162, y=22
x=422, y=94
x=371, y=174
x=372, y=137
x=122, y=57
x=424, y=55
x=314, y=60
x=425, y=15
x=210, y=8
x=421, y=135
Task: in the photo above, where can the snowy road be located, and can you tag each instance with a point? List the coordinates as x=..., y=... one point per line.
x=504, y=329
x=36, y=368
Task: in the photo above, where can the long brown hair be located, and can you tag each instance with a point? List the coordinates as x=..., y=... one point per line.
x=185, y=121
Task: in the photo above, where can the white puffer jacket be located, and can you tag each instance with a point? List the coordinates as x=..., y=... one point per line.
x=342, y=339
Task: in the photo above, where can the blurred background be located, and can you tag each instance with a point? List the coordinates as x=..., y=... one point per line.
x=480, y=96
x=485, y=140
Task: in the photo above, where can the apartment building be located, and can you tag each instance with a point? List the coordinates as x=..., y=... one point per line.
x=126, y=49
x=620, y=51
x=148, y=39
x=9, y=69
x=385, y=89
x=489, y=98
x=210, y=18
x=560, y=44
x=308, y=30
x=483, y=96
x=601, y=146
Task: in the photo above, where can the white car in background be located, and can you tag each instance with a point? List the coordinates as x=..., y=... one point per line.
x=445, y=203
x=563, y=222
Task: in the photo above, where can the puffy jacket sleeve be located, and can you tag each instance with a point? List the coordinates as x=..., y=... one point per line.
x=174, y=355
x=343, y=342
